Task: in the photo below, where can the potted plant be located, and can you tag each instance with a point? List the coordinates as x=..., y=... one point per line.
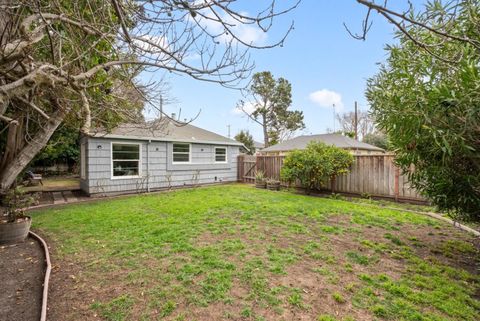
x=273, y=184
x=14, y=224
x=260, y=180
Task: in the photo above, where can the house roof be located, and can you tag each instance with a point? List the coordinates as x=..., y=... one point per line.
x=258, y=145
x=337, y=140
x=165, y=130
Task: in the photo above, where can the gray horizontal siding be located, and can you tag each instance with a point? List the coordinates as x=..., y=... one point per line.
x=201, y=170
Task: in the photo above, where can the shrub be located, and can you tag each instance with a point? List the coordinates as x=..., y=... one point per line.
x=314, y=165
x=431, y=111
x=16, y=201
x=260, y=176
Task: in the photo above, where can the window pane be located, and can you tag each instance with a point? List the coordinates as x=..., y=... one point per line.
x=124, y=151
x=125, y=168
x=181, y=148
x=181, y=157
x=220, y=154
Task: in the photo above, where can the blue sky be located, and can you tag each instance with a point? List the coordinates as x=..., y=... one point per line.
x=318, y=57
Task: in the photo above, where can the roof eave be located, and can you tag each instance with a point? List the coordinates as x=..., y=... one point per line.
x=166, y=139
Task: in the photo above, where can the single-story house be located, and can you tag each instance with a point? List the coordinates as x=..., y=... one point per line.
x=354, y=146
x=153, y=156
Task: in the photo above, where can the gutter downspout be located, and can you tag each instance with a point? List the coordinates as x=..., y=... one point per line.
x=148, y=165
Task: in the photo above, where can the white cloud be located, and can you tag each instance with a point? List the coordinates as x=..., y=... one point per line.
x=326, y=98
x=248, y=107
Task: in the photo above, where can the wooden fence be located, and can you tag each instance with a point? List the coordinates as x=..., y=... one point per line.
x=375, y=175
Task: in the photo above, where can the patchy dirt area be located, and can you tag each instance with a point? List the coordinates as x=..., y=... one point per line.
x=268, y=256
x=316, y=280
x=22, y=273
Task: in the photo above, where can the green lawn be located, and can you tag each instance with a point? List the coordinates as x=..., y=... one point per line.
x=237, y=253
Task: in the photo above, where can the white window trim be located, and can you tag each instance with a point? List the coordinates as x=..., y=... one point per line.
x=215, y=155
x=139, y=161
x=83, y=161
x=189, y=153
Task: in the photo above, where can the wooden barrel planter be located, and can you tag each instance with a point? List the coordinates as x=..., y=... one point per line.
x=260, y=184
x=15, y=232
x=273, y=186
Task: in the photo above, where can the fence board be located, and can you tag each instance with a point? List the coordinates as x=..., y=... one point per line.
x=372, y=174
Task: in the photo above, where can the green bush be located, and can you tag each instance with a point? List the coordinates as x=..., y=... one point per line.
x=430, y=109
x=315, y=165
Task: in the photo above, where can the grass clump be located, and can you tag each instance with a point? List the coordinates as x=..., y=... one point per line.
x=338, y=297
x=115, y=310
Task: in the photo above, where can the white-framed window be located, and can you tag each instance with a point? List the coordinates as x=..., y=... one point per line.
x=181, y=153
x=83, y=161
x=126, y=160
x=220, y=154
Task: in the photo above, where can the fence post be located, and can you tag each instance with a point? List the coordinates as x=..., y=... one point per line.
x=240, y=168
x=257, y=164
x=395, y=183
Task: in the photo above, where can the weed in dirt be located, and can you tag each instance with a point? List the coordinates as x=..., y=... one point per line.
x=246, y=312
x=295, y=299
x=395, y=240
x=361, y=259
x=338, y=297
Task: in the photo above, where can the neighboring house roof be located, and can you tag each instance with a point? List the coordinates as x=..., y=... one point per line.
x=258, y=145
x=165, y=130
x=337, y=140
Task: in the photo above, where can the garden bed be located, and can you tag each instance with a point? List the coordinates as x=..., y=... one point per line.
x=22, y=274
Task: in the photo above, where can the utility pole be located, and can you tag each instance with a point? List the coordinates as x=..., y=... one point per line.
x=356, y=121
x=228, y=126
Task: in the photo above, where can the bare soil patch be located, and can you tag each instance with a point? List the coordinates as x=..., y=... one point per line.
x=22, y=274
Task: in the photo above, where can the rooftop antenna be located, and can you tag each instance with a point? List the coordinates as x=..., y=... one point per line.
x=161, y=104
x=333, y=117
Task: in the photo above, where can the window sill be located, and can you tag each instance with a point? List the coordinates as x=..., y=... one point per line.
x=126, y=177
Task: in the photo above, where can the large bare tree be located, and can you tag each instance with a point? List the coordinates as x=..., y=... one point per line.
x=365, y=123
x=79, y=59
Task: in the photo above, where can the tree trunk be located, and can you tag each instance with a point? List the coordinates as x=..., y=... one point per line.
x=10, y=172
x=265, y=131
x=10, y=146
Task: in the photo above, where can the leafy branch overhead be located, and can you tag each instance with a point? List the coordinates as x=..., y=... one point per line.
x=443, y=26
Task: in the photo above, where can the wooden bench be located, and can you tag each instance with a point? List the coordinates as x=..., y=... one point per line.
x=34, y=179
